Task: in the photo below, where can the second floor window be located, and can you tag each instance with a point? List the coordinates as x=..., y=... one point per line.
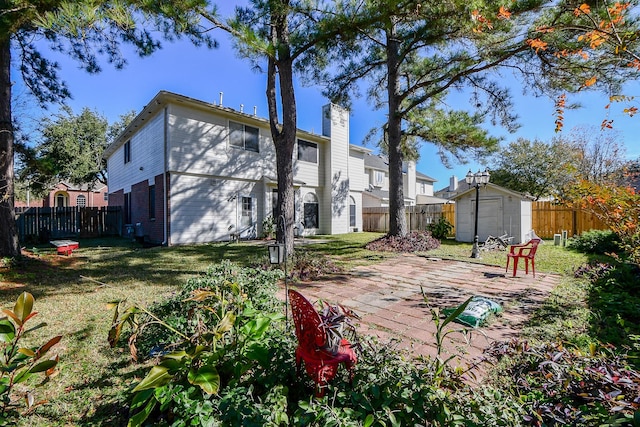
x=307, y=151
x=127, y=151
x=245, y=137
x=379, y=177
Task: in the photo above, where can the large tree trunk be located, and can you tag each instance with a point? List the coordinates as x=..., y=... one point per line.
x=284, y=137
x=9, y=247
x=397, y=219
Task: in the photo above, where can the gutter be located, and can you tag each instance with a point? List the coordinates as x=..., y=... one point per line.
x=164, y=179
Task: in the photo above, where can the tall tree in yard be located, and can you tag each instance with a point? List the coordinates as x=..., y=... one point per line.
x=280, y=37
x=416, y=53
x=536, y=168
x=70, y=150
x=81, y=29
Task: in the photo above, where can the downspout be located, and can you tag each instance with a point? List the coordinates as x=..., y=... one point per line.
x=164, y=179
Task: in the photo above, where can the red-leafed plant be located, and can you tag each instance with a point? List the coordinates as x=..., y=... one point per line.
x=616, y=206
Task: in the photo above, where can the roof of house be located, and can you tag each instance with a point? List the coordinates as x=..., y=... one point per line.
x=424, y=177
x=96, y=187
x=378, y=194
x=164, y=97
x=380, y=162
x=376, y=161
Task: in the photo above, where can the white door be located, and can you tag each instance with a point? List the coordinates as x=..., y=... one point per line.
x=489, y=218
x=247, y=215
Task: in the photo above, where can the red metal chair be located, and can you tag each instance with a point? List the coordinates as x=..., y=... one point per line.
x=320, y=362
x=526, y=251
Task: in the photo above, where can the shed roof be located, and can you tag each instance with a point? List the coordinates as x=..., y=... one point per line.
x=497, y=188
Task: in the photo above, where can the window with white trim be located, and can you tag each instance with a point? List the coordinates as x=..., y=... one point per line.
x=352, y=212
x=127, y=152
x=307, y=151
x=81, y=201
x=245, y=137
x=379, y=177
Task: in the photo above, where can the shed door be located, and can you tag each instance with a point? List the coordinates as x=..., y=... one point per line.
x=490, y=215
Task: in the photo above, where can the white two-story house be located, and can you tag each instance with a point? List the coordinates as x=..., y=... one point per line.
x=417, y=187
x=188, y=171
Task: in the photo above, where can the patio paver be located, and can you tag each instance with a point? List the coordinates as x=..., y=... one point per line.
x=389, y=300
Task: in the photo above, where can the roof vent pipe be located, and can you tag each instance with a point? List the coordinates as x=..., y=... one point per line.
x=255, y=110
x=221, y=98
x=241, y=108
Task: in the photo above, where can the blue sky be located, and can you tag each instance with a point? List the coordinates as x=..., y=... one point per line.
x=201, y=73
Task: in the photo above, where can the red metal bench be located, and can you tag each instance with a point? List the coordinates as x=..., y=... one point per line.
x=65, y=247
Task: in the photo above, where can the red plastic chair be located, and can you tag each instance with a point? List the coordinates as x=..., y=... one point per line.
x=526, y=251
x=319, y=361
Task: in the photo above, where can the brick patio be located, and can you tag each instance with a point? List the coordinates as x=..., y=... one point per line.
x=388, y=298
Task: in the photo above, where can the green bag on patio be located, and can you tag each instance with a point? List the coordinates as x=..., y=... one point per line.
x=476, y=312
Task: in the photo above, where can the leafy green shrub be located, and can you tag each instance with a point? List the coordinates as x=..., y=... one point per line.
x=219, y=336
x=18, y=363
x=416, y=241
x=268, y=227
x=440, y=229
x=595, y=242
x=614, y=299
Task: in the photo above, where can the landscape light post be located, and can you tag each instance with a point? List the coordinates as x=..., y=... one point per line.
x=278, y=255
x=476, y=180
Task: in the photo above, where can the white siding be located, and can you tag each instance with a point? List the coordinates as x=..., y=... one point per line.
x=499, y=212
x=424, y=187
x=409, y=181
x=198, y=143
x=464, y=221
x=311, y=174
x=147, y=158
x=335, y=203
x=526, y=221
x=206, y=210
x=358, y=180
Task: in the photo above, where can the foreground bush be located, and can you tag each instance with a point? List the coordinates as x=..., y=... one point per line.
x=227, y=358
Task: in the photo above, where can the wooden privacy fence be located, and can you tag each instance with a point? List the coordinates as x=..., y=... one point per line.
x=42, y=224
x=547, y=219
x=418, y=217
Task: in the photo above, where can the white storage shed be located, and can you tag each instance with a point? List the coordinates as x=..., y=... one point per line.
x=500, y=211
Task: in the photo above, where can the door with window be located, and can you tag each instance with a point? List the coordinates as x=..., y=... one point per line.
x=311, y=211
x=247, y=217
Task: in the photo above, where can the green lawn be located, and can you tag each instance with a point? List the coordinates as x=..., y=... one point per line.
x=72, y=294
